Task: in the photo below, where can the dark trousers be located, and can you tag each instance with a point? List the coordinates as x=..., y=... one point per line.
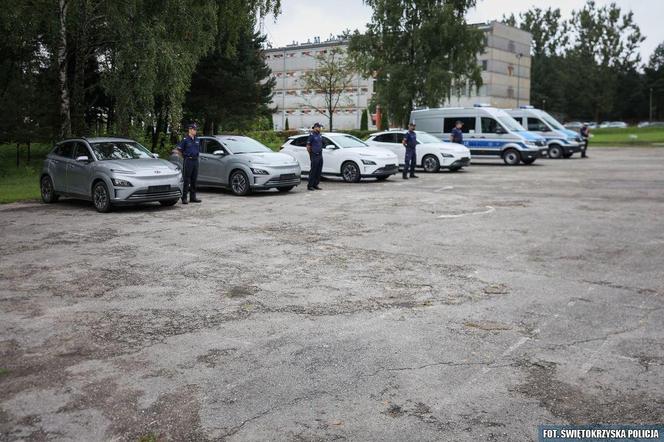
x=316, y=169
x=585, y=147
x=190, y=176
x=409, y=162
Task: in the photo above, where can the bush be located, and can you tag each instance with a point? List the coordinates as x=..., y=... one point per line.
x=364, y=121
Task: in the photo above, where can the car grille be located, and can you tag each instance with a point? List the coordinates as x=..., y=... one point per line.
x=286, y=178
x=156, y=193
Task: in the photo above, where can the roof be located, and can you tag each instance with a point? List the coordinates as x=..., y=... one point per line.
x=97, y=139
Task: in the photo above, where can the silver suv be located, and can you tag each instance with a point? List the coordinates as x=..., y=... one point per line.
x=109, y=171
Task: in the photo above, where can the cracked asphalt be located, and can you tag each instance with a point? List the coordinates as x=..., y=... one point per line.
x=460, y=306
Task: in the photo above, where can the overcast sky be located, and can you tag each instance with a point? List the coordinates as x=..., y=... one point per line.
x=303, y=19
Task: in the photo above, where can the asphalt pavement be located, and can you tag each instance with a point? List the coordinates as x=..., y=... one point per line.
x=459, y=306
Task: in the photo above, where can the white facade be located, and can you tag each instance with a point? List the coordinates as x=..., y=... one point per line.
x=506, y=75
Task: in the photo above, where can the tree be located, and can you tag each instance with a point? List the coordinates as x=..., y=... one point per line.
x=231, y=89
x=606, y=44
x=331, y=78
x=420, y=52
x=364, y=120
x=287, y=126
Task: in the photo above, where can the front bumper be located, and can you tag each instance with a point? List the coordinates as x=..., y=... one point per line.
x=278, y=177
x=462, y=162
x=388, y=169
x=145, y=190
x=532, y=154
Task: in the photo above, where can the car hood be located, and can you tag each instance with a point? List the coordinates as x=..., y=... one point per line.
x=530, y=136
x=373, y=152
x=267, y=158
x=144, y=166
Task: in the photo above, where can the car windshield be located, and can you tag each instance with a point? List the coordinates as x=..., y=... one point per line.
x=244, y=145
x=508, y=122
x=552, y=121
x=346, y=141
x=119, y=150
x=426, y=138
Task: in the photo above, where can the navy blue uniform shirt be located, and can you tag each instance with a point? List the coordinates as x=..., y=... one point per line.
x=190, y=147
x=411, y=140
x=316, y=142
x=457, y=135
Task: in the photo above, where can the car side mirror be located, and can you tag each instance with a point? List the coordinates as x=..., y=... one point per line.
x=155, y=155
x=220, y=153
x=331, y=147
x=83, y=159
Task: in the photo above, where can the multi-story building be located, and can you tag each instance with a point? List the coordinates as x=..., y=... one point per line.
x=505, y=65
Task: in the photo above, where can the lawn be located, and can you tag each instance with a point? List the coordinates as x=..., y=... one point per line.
x=20, y=183
x=626, y=137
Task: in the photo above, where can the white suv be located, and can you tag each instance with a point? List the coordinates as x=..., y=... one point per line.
x=433, y=154
x=344, y=156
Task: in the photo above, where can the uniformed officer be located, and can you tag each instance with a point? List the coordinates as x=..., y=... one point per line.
x=456, y=136
x=315, y=149
x=585, y=136
x=410, y=141
x=190, y=147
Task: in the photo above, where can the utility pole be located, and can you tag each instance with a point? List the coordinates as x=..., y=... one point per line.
x=283, y=95
x=650, y=116
x=518, y=79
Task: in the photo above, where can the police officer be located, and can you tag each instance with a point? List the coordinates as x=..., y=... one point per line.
x=585, y=135
x=410, y=141
x=315, y=149
x=190, y=147
x=456, y=136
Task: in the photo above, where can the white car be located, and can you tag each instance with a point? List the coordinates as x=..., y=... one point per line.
x=345, y=156
x=432, y=154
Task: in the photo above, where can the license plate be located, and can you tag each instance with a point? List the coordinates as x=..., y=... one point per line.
x=288, y=176
x=155, y=189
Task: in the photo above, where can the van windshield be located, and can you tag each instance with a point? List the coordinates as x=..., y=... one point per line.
x=551, y=121
x=508, y=122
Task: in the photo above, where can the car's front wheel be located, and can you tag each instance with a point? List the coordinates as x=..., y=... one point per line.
x=47, y=191
x=101, y=198
x=240, y=183
x=285, y=189
x=555, y=151
x=350, y=172
x=168, y=203
x=511, y=157
x=430, y=164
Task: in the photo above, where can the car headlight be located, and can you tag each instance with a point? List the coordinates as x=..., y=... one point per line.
x=117, y=182
x=447, y=155
x=259, y=171
x=368, y=163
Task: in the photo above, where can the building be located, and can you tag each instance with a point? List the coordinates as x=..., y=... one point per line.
x=505, y=72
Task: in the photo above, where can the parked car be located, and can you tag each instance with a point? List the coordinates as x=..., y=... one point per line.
x=487, y=132
x=432, y=153
x=243, y=165
x=651, y=124
x=561, y=142
x=617, y=124
x=604, y=124
x=573, y=125
x=345, y=156
x=108, y=172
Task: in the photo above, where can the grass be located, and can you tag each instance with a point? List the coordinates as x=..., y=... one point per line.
x=3, y=371
x=20, y=183
x=631, y=136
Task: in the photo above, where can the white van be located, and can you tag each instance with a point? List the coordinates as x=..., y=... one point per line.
x=562, y=143
x=488, y=132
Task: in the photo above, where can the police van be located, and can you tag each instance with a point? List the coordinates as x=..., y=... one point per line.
x=487, y=131
x=562, y=143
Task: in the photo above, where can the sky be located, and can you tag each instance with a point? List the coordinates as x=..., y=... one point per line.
x=301, y=20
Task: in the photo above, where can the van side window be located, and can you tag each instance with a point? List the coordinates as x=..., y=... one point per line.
x=537, y=125
x=65, y=149
x=489, y=125
x=450, y=123
x=519, y=120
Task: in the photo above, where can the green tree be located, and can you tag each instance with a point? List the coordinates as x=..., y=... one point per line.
x=364, y=120
x=606, y=44
x=287, y=126
x=331, y=78
x=654, y=80
x=421, y=52
x=230, y=89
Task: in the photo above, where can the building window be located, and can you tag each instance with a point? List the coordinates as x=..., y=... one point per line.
x=511, y=47
x=485, y=65
x=510, y=70
x=510, y=92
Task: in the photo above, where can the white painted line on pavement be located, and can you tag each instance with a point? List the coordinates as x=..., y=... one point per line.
x=484, y=212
